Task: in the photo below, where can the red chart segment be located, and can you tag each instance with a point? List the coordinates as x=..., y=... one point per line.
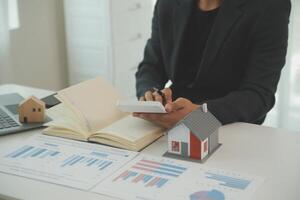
x=146, y=180
x=151, y=173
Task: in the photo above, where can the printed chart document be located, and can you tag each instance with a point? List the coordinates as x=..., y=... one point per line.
x=148, y=178
x=61, y=161
x=213, y=184
x=145, y=177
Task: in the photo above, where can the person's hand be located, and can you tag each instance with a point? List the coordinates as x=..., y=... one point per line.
x=177, y=110
x=165, y=94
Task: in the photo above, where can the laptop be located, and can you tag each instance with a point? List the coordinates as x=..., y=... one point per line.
x=9, y=117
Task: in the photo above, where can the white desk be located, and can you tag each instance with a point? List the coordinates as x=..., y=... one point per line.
x=267, y=152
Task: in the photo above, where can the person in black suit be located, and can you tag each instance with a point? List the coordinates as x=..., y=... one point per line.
x=226, y=53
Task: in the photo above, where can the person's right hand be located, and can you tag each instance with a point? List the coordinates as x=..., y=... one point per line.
x=155, y=96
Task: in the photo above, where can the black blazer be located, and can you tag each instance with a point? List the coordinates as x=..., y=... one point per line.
x=242, y=61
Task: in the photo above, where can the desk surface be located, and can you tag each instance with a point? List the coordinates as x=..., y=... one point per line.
x=262, y=151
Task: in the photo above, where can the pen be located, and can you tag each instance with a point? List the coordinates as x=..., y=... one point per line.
x=164, y=100
x=204, y=108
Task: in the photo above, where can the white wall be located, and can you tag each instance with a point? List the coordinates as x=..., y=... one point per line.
x=38, y=56
x=286, y=113
x=5, y=72
x=107, y=38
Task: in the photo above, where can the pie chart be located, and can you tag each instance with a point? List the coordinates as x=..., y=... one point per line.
x=207, y=195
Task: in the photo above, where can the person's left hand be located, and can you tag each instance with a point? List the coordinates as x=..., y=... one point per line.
x=176, y=111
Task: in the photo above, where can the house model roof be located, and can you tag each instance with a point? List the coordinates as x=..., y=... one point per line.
x=201, y=124
x=32, y=99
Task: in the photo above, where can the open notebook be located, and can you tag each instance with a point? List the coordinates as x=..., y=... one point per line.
x=88, y=112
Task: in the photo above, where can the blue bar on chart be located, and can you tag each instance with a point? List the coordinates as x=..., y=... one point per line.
x=38, y=152
x=142, y=177
x=228, y=181
x=161, y=182
x=20, y=151
x=49, y=153
x=146, y=180
x=86, y=161
x=158, y=182
x=126, y=175
x=33, y=152
x=49, y=144
x=159, y=168
x=99, y=154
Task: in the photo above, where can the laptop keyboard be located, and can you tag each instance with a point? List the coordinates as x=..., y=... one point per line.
x=6, y=121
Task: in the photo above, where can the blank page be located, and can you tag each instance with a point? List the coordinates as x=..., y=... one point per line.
x=94, y=101
x=131, y=129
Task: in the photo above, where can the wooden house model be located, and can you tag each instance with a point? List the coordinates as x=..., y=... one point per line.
x=32, y=110
x=196, y=136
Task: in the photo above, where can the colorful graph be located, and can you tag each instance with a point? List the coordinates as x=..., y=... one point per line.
x=207, y=195
x=87, y=161
x=32, y=152
x=159, y=168
x=146, y=180
x=151, y=173
x=61, y=161
x=236, y=183
x=95, y=160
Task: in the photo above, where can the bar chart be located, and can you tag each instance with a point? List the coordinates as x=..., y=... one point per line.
x=203, y=183
x=159, y=168
x=32, y=152
x=146, y=180
x=227, y=181
x=86, y=161
x=151, y=173
x=146, y=175
x=149, y=177
x=58, y=160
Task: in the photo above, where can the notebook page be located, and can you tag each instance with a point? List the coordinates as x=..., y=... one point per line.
x=64, y=119
x=94, y=101
x=131, y=129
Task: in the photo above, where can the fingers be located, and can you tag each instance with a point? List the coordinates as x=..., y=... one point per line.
x=142, y=98
x=180, y=103
x=149, y=117
x=157, y=97
x=164, y=96
x=149, y=96
x=168, y=94
x=164, y=120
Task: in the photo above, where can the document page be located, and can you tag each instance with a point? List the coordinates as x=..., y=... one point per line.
x=147, y=177
x=132, y=129
x=94, y=101
x=214, y=184
x=66, y=162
